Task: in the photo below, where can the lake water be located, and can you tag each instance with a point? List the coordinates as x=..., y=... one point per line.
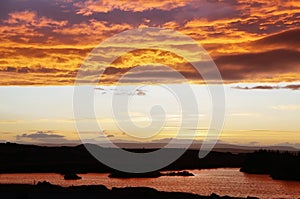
x=220, y=181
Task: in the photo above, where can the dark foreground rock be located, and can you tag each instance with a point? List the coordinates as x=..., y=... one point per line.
x=71, y=176
x=46, y=190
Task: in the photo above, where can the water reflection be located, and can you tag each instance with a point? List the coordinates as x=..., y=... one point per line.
x=220, y=181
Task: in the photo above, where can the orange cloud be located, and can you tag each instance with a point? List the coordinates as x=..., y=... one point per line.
x=24, y=66
x=152, y=69
x=20, y=17
x=93, y=6
x=31, y=18
x=239, y=35
x=92, y=31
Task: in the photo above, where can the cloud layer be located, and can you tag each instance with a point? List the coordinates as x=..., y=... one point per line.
x=45, y=42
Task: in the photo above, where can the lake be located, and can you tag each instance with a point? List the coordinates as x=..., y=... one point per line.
x=223, y=181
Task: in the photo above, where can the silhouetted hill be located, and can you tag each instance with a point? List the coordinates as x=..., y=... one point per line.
x=17, y=158
x=279, y=165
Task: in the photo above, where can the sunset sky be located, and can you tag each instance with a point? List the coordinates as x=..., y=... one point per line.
x=255, y=45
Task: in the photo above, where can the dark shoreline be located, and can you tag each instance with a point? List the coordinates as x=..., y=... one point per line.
x=18, y=158
x=278, y=165
x=47, y=190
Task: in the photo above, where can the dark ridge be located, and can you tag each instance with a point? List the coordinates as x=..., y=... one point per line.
x=16, y=158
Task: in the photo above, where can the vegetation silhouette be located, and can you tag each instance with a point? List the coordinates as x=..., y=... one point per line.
x=279, y=165
x=17, y=158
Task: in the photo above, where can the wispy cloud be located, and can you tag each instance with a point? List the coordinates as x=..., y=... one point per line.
x=246, y=114
x=286, y=107
x=119, y=91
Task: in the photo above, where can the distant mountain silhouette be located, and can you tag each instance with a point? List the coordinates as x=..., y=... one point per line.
x=220, y=146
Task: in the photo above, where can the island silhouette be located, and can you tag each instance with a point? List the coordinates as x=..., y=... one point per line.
x=279, y=165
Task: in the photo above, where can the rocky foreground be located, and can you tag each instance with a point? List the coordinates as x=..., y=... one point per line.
x=46, y=190
x=279, y=165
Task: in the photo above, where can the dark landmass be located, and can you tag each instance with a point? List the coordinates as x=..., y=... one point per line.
x=279, y=165
x=219, y=147
x=46, y=190
x=71, y=176
x=17, y=158
x=179, y=173
x=155, y=174
x=118, y=174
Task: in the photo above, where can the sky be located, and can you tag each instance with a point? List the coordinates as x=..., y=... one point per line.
x=254, y=44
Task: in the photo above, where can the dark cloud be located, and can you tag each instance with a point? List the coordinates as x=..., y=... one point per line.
x=209, y=10
x=101, y=89
x=293, y=87
x=42, y=52
x=59, y=10
x=114, y=70
x=159, y=75
x=285, y=58
x=25, y=69
x=266, y=87
x=110, y=136
x=40, y=135
x=140, y=92
x=45, y=138
x=117, y=91
x=256, y=87
x=242, y=66
x=289, y=39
